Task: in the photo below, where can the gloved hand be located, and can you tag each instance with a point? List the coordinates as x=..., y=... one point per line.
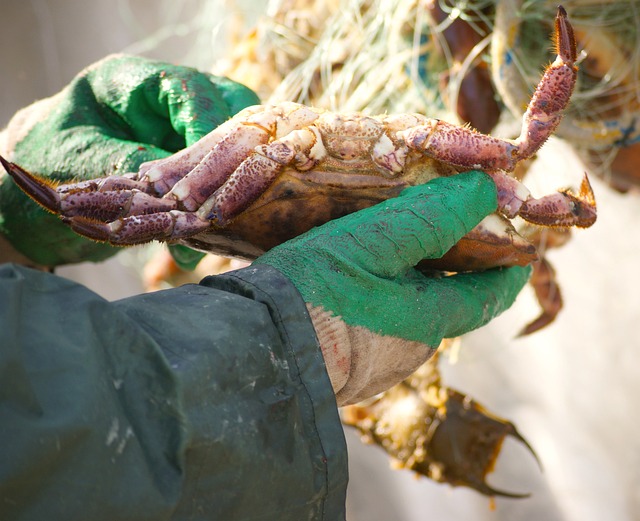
x=113, y=116
x=377, y=318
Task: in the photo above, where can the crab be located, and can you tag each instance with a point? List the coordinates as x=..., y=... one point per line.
x=273, y=172
x=436, y=431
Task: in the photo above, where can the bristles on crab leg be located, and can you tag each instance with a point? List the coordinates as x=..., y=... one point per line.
x=258, y=171
x=249, y=131
x=139, y=229
x=467, y=148
x=563, y=209
x=553, y=92
x=102, y=200
x=166, y=172
x=195, y=187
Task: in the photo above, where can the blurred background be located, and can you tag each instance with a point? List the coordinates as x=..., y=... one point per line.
x=571, y=389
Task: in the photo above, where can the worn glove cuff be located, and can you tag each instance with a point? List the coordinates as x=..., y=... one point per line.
x=361, y=363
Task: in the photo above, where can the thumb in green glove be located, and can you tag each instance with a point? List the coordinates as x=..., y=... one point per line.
x=377, y=318
x=115, y=115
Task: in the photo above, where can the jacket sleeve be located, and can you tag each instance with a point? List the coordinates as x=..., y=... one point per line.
x=207, y=401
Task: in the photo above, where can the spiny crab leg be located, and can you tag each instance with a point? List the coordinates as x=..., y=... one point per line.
x=562, y=208
x=216, y=167
x=552, y=93
x=121, y=212
x=256, y=173
x=165, y=173
x=104, y=199
x=465, y=147
x=217, y=156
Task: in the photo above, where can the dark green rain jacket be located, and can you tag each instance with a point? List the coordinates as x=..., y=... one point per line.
x=205, y=402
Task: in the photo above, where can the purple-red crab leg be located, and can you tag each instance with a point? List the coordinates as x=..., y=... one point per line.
x=218, y=155
x=562, y=209
x=108, y=201
x=123, y=210
x=466, y=147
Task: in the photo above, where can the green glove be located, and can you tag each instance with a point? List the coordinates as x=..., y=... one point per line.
x=377, y=317
x=115, y=115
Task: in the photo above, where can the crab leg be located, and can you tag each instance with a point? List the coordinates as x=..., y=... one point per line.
x=237, y=189
x=138, y=229
x=465, y=147
x=553, y=92
x=89, y=206
x=548, y=294
x=101, y=199
x=165, y=173
x=257, y=172
x=216, y=167
x=245, y=185
x=239, y=141
x=136, y=216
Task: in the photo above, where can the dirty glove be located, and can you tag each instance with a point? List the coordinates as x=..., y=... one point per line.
x=376, y=317
x=113, y=116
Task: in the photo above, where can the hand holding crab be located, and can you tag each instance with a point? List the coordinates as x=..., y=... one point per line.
x=271, y=173
x=274, y=172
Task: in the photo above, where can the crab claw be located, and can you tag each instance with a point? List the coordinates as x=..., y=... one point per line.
x=454, y=441
x=562, y=209
x=468, y=441
x=552, y=94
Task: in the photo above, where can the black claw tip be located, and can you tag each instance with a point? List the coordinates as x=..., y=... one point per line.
x=5, y=163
